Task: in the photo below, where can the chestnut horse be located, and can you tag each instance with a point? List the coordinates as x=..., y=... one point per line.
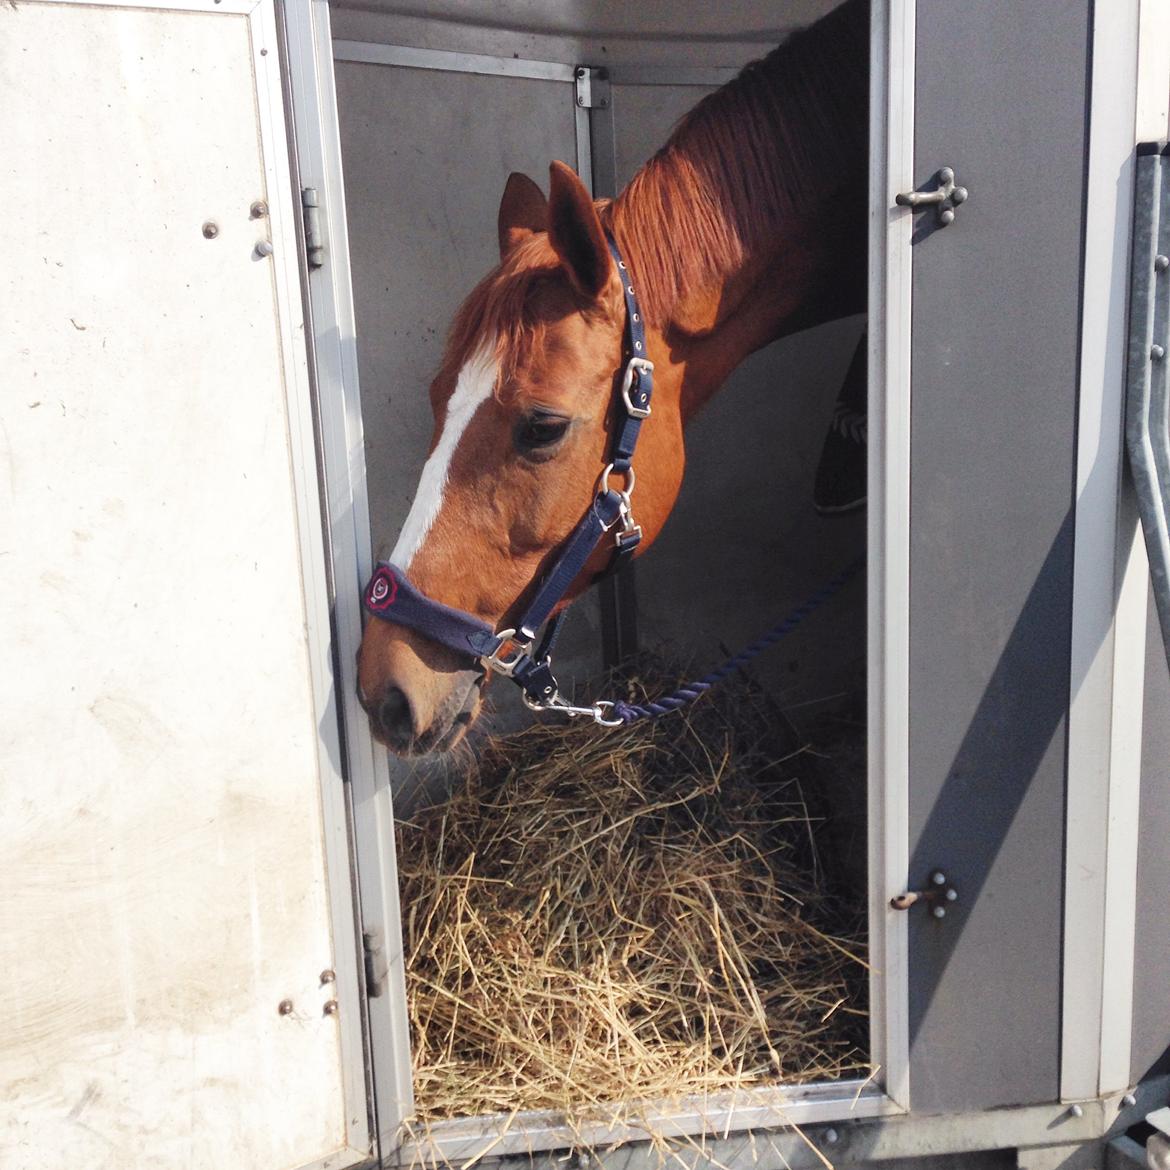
x=749, y=224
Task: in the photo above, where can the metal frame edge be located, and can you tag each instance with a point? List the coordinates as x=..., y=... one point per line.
x=1095, y=779
x=332, y=323
x=891, y=170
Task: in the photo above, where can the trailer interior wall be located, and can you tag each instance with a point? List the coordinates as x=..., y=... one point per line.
x=426, y=155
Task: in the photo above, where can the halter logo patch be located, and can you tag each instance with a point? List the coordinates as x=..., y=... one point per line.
x=382, y=590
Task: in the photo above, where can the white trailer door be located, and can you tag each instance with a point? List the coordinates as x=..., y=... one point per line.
x=177, y=923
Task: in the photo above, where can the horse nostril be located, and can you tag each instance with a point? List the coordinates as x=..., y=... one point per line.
x=396, y=718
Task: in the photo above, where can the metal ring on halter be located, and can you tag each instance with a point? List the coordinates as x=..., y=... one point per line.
x=507, y=666
x=635, y=365
x=603, y=483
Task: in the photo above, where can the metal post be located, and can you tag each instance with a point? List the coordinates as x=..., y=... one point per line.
x=597, y=166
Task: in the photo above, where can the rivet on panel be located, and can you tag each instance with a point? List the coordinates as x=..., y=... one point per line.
x=285, y=1007
x=210, y=230
x=939, y=912
x=1157, y=353
x=1129, y=1100
x=327, y=976
x=258, y=210
x=330, y=1008
x=1076, y=1111
x=831, y=1137
x=264, y=248
x=1161, y=263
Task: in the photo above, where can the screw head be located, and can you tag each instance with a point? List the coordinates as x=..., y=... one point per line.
x=285, y=1007
x=581, y=100
x=327, y=976
x=210, y=230
x=258, y=210
x=1157, y=353
x=330, y=1008
x=264, y=248
x=1161, y=263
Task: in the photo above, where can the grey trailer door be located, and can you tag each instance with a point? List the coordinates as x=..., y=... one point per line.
x=999, y=95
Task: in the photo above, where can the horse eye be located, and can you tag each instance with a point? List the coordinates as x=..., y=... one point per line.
x=540, y=430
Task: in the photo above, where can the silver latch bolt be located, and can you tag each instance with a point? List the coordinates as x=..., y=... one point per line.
x=945, y=197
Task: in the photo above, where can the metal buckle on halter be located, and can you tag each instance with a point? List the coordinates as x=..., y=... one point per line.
x=507, y=666
x=639, y=366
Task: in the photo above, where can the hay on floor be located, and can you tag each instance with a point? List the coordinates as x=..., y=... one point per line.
x=599, y=917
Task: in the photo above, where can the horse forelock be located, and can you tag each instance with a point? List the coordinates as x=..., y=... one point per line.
x=512, y=309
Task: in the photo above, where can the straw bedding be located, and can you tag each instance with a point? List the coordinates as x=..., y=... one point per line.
x=641, y=914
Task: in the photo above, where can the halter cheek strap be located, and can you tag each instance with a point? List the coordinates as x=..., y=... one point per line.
x=391, y=597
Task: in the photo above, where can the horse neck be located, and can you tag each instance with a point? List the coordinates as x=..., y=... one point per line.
x=750, y=222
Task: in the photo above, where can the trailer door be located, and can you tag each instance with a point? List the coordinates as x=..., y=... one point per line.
x=177, y=919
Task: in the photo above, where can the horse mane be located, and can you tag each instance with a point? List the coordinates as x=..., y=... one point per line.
x=788, y=129
x=756, y=150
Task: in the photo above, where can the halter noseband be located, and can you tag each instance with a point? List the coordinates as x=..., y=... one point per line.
x=391, y=597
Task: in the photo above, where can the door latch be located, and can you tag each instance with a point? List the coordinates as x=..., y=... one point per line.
x=944, y=198
x=311, y=214
x=936, y=896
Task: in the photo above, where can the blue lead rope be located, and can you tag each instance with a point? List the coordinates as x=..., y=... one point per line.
x=689, y=692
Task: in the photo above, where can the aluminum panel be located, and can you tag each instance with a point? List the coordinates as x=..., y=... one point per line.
x=170, y=797
x=1001, y=98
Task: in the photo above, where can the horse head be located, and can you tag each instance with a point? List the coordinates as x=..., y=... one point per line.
x=524, y=407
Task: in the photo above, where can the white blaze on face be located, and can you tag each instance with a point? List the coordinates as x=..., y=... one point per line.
x=473, y=388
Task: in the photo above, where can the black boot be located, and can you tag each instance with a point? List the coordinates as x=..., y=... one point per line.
x=841, y=474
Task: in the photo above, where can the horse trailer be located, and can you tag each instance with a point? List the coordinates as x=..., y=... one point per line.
x=244, y=226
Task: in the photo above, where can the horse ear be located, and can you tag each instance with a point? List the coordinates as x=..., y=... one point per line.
x=575, y=231
x=523, y=212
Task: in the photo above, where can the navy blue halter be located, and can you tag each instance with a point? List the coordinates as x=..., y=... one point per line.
x=391, y=597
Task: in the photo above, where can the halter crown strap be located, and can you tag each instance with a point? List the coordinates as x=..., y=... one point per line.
x=391, y=597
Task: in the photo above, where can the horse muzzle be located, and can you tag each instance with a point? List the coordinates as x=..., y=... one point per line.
x=420, y=697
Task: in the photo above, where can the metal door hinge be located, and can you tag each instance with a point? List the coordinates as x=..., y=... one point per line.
x=377, y=966
x=945, y=197
x=592, y=87
x=937, y=895
x=311, y=213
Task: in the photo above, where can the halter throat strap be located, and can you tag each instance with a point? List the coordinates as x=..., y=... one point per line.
x=510, y=652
